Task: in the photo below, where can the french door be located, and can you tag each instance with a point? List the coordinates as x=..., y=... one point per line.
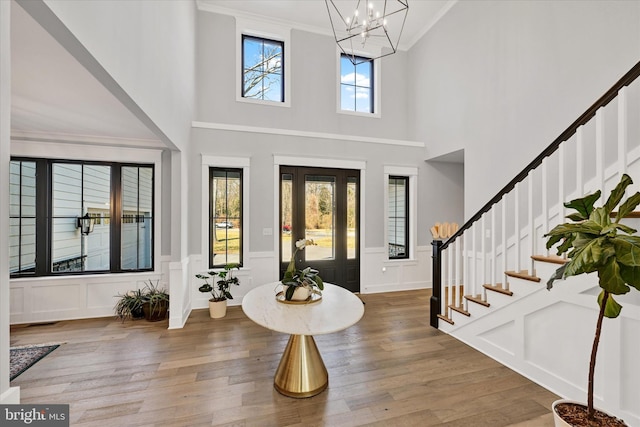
x=322, y=205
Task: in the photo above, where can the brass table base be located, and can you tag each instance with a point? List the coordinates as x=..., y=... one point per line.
x=301, y=372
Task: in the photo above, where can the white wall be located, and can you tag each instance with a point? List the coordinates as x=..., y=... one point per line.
x=8, y=395
x=147, y=48
x=502, y=79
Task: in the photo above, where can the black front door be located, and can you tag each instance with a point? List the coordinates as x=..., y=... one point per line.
x=322, y=205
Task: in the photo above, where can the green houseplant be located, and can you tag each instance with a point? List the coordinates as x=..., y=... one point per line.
x=595, y=244
x=300, y=284
x=129, y=305
x=156, y=302
x=220, y=290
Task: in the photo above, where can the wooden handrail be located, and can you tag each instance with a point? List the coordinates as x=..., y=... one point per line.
x=605, y=99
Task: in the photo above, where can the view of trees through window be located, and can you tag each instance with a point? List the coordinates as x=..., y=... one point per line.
x=226, y=216
x=262, y=71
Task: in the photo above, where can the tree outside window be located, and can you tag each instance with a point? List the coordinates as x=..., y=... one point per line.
x=225, y=208
x=262, y=69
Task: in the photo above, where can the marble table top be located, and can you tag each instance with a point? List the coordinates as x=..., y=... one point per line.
x=338, y=309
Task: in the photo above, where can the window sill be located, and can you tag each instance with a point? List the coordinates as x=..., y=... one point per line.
x=359, y=114
x=285, y=104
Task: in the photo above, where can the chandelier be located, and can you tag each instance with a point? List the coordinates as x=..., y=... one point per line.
x=379, y=22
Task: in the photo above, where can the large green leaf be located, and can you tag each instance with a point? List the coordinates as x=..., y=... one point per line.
x=567, y=244
x=584, y=205
x=628, y=206
x=612, y=309
x=627, y=250
x=630, y=275
x=557, y=275
x=610, y=279
x=601, y=217
x=617, y=193
x=589, y=257
x=612, y=229
x=587, y=227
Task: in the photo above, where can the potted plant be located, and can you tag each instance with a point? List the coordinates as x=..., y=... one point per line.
x=220, y=293
x=129, y=305
x=595, y=244
x=156, y=302
x=301, y=284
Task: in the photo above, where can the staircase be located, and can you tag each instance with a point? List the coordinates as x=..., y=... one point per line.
x=489, y=278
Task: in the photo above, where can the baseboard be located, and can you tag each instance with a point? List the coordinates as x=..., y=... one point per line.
x=11, y=396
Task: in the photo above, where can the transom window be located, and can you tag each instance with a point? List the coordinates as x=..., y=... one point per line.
x=398, y=217
x=80, y=217
x=225, y=213
x=262, y=69
x=356, y=85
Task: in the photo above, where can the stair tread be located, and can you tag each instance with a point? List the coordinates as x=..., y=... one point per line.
x=460, y=310
x=477, y=300
x=498, y=288
x=554, y=259
x=524, y=274
x=445, y=318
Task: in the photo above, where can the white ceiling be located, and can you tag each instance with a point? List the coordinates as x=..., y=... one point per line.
x=55, y=98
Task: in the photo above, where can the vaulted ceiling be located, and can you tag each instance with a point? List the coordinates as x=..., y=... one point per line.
x=55, y=98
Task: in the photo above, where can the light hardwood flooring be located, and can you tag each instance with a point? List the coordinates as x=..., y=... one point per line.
x=390, y=369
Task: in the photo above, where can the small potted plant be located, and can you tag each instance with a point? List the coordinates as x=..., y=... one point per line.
x=220, y=290
x=299, y=285
x=594, y=245
x=129, y=305
x=156, y=302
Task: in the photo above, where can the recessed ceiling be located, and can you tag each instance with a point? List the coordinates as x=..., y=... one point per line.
x=55, y=98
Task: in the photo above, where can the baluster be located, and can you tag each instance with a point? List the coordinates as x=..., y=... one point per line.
x=532, y=228
x=561, y=198
x=623, y=133
x=452, y=285
x=483, y=255
x=458, y=269
x=545, y=201
x=494, y=250
x=579, y=165
x=465, y=265
x=600, y=129
x=516, y=208
x=505, y=283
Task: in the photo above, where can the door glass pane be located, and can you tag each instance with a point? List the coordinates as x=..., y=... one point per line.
x=352, y=217
x=226, y=211
x=286, y=203
x=22, y=213
x=320, y=217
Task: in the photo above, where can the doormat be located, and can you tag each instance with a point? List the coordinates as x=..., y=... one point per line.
x=23, y=357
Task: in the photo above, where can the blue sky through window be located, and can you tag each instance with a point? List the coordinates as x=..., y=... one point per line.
x=262, y=75
x=356, y=86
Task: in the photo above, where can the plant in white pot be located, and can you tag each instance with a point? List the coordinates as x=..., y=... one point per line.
x=595, y=244
x=220, y=290
x=301, y=284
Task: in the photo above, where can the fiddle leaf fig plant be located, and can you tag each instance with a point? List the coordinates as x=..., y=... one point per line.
x=596, y=244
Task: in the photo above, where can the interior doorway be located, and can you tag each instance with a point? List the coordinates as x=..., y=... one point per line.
x=323, y=205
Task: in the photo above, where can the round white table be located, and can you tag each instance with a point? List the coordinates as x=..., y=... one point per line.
x=302, y=372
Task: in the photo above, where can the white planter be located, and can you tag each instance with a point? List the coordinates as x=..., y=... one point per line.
x=217, y=309
x=559, y=422
x=300, y=294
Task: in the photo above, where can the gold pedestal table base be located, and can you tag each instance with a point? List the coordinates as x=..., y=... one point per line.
x=301, y=372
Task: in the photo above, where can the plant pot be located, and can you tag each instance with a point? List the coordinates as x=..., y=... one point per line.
x=300, y=294
x=137, y=313
x=157, y=312
x=217, y=309
x=560, y=422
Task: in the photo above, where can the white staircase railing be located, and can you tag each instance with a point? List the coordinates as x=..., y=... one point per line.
x=590, y=154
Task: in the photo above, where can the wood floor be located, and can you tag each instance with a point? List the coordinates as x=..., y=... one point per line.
x=390, y=369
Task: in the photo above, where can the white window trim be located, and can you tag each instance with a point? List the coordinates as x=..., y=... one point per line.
x=377, y=77
x=412, y=174
x=243, y=163
x=268, y=31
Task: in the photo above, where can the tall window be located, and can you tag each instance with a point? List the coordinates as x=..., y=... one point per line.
x=50, y=200
x=398, y=217
x=225, y=213
x=262, y=69
x=356, y=85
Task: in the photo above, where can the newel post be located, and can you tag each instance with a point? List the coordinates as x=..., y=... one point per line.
x=436, y=283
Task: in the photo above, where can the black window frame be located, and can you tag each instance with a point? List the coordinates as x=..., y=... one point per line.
x=44, y=209
x=406, y=254
x=282, y=68
x=212, y=217
x=359, y=61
